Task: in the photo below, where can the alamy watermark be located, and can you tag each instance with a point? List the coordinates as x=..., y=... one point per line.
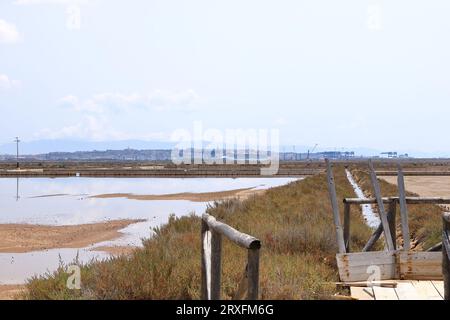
x=374, y=17
x=74, y=280
x=231, y=146
x=73, y=17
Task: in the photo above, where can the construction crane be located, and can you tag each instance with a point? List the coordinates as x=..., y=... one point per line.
x=312, y=150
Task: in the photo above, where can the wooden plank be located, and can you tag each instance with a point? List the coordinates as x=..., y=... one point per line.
x=420, y=265
x=406, y=291
x=426, y=290
x=409, y=200
x=382, y=212
x=366, y=258
x=335, y=208
x=388, y=284
x=347, y=227
x=439, y=285
x=362, y=293
x=385, y=293
x=403, y=209
x=359, y=266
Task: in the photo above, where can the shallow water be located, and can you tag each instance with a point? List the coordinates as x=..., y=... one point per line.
x=369, y=215
x=66, y=201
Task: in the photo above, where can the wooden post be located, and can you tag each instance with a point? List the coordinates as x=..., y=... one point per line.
x=446, y=254
x=375, y=236
x=205, y=290
x=382, y=212
x=216, y=264
x=392, y=215
x=403, y=208
x=253, y=274
x=347, y=227
x=335, y=207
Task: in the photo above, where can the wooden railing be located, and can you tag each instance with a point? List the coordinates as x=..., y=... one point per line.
x=211, y=237
x=391, y=203
x=394, y=263
x=446, y=254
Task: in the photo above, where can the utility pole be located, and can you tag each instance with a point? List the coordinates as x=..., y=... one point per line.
x=17, y=145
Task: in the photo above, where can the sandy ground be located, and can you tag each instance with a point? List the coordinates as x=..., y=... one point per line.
x=196, y=197
x=425, y=186
x=9, y=292
x=17, y=238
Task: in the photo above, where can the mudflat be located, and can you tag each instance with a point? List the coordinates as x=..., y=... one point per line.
x=19, y=238
x=196, y=197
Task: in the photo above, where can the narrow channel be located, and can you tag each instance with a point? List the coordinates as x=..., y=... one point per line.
x=372, y=219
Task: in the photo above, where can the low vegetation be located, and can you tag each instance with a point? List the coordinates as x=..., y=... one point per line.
x=294, y=223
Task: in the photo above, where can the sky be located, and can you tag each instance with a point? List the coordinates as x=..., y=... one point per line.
x=342, y=74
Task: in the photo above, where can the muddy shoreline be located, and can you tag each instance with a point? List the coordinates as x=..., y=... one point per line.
x=21, y=238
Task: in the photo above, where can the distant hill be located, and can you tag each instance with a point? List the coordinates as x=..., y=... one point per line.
x=47, y=146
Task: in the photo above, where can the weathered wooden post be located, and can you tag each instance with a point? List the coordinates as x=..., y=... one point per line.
x=382, y=212
x=253, y=274
x=446, y=254
x=347, y=227
x=392, y=217
x=211, y=236
x=335, y=207
x=206, y=261
x=216, y=264
x=403, y=208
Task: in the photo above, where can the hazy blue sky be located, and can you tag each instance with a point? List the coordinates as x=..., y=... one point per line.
x=338, y=73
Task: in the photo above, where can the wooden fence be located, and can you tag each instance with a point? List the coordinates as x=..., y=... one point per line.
x=211, y=237
x=392, y=263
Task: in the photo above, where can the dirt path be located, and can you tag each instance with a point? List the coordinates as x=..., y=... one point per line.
x=196, y=197
x=9, y=292
x=425, y=186
x=18, y=238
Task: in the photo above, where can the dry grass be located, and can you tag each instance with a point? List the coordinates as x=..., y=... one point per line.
x=294, y=223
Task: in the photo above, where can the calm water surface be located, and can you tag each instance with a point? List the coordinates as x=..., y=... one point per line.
x=65, y=201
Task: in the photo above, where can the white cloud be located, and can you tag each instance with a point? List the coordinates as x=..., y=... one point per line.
x=156, y=100
x=7, y=83
x=97, y=111
x=95, y=128
x=8, y=32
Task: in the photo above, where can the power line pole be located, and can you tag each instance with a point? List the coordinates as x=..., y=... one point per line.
x=17, y=145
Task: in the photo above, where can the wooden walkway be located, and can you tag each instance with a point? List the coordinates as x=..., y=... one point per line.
x=401, y=290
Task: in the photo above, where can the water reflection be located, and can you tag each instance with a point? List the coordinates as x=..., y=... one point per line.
x=66, y=201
